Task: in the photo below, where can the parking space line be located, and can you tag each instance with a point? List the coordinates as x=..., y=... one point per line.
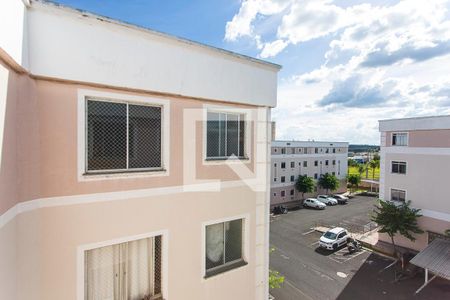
x=308, y=232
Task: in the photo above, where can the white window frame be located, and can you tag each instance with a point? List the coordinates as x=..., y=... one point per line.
x=245, y=244
x=247, y=134
x=83, y=95
x=397, y=189
x=399, y=161
x=81, y=249
x=400, y=132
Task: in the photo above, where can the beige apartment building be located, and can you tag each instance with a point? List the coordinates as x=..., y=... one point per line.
x=133, y=164
x=415, y=159
x=293, y=158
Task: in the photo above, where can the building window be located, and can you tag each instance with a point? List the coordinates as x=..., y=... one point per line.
x=130, y=270
x=316, y=163
x=327, y=150
x=292, y=192
x=334, y=162
x=292, y=164
x=275, y=179
x=399, y=167
x=398, y=195
x=283, y=165
x=399, y=139
x=334, y=150
x=283, y=179
x=334, y=173
x=225, y=135
x=316, y=150
x=224, y=247
x=274, y=194
x=305, y=164
x=305, y=150
x=316, y=176
x=283, y=150
x=326, y=162
x=275, y=150
x=275, y=165
x=292, y=178
x=123, y=137
x=283, y=193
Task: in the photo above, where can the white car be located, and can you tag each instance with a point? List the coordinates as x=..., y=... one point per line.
x=341, y=199
x=314, y=203
x=327, y=200
x=333, y=238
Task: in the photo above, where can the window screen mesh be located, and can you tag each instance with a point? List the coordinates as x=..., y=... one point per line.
x=130, y=270
x=225, y=135
x=233, y=240
x=106, y=135
x=123, y=136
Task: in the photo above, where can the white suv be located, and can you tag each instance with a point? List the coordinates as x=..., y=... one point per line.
x=327, y=200
x=333, y=238
x=311, y=202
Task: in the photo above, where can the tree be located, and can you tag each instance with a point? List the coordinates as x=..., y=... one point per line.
x=328, y=182
x=304, y=184
x=397, y=218
x=361, y=169
x=352, y=163
x=275, y=279
x=376, y=156
x=354, y=180
x=374, y=164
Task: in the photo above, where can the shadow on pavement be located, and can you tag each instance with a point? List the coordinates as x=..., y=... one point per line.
x=368, y=283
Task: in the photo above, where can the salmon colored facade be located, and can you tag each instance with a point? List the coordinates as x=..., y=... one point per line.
x=54, y=212
x=421, y=146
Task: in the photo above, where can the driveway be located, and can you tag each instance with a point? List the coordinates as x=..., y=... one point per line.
x=313, y=273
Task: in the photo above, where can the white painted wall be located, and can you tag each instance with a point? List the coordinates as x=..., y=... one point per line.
x=420, y=123
x=13, y=29
x=68, y=45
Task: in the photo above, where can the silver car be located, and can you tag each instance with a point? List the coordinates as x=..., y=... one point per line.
x=327, y=200
x=314, y=203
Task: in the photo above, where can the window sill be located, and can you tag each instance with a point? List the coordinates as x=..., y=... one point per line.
x=123, y=174
x=226, y=158
x=225, y=268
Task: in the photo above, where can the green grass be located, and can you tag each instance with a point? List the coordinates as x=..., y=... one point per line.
x=354, y=170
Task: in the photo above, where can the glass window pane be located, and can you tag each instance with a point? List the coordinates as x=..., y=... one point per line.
x=214, y=245
x=232, y=135
x=144, y=138
x=106, y=135
x=215, y=135
x=233, y=240
x=242, y=136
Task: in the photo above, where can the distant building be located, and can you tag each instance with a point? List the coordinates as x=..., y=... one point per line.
x=293, y=158
x=415, y=161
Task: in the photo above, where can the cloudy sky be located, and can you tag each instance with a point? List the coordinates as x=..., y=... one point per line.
x=346, y=63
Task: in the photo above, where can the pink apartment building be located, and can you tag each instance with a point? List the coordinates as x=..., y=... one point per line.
x=415, y=161
x=133, y=164
x=291, y=159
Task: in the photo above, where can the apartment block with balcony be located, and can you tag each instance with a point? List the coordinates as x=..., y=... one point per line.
x=415, y=159
x=291, y=159
x=133, y=164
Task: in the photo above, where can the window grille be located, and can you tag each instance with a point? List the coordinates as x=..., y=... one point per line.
x=305, y=164
x=123, y=137
x=225, y=135
x=283, y=165
x=130, y=270
x=292, y=164
x=292, y=178
x=223, y=246
x=283, y=179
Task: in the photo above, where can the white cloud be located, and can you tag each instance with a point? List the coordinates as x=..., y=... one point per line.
x=273, y=48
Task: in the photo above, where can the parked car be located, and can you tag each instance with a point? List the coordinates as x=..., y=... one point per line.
x=341, y=199
x=333, y=238
x=280, y=209
x=327, y=200
x=314, y=203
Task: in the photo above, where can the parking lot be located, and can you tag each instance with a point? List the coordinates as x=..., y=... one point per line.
x=313, y=273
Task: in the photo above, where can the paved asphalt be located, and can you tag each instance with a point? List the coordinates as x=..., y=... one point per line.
x=313, y=273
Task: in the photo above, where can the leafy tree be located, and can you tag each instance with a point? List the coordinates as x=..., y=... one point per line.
x=394, y=218
x=376, y=156
x=374, y=164
x=328, y=182
x=354, y=180
x=361, y=169
x=352, y=163
x=304, y=184
x=275, y=279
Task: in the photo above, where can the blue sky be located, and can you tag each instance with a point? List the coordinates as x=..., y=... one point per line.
x=346, y=63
